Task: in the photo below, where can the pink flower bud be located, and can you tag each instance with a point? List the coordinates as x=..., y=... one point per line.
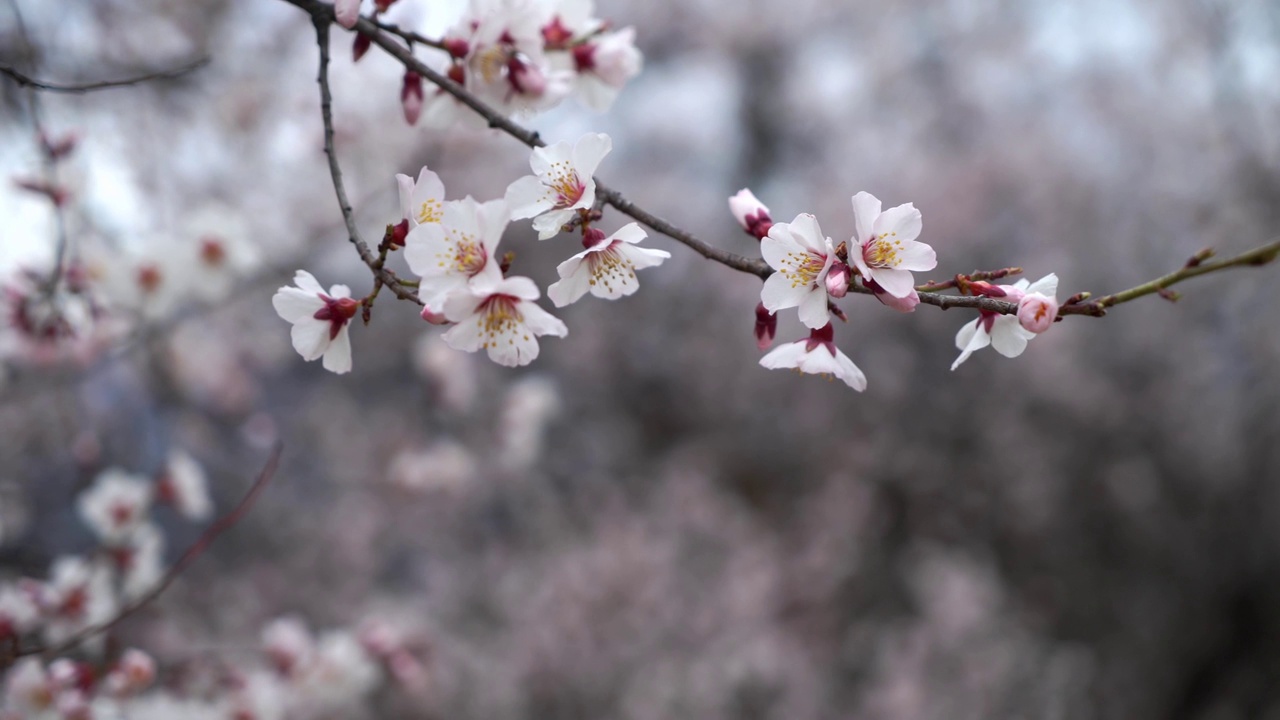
x=1037, y=312
x=901, y=304
x=433, y=317
x=592, y=237
x=838, y=280
x=766, y=327
x=347, y=12
x=750, y=213
x=526, y=78
x=382, y=5
x=411, y=97
x=458, y=48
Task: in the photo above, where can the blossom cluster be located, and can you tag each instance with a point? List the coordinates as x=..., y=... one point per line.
x=453, y=246
x=299, y=675
x=103, y=292
x=810, y=271
x=85, y=591
x=519, y=56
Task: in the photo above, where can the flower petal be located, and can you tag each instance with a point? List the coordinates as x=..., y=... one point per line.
x=866, y=208
x=588, y=152
x=917, y=257
x=969, y=340
x=310, y=338
x=813, y=308
x=895, y=281
x=1008, y=337
x=295, y=305
x=903, y=221
x=337, y=358
x=528, y=197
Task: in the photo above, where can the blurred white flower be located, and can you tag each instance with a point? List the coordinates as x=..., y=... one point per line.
x=607, y=268
x=77, y=595
x=183, y=484
x=220, y=251
x=28, y=688
x=320, y=320
x=115, y=505
x=141, y=561
x=134, y=673
x=526, y=410
x=18, y=612
x=288, y=644
x=445, y=466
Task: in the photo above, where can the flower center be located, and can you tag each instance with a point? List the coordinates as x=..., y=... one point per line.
x=802, y=268
x=430, y=211
x=608, y=265
x=469, y=257
x=882, y=251
x=338, y=311
x=566, y=184
x=499, y=317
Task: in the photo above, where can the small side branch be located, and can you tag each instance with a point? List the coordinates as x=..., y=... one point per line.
x=80, y=88
x=381, y=274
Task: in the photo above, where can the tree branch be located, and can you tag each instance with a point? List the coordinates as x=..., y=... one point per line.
x=30, y=82
x=387, y=277
x=322, y=15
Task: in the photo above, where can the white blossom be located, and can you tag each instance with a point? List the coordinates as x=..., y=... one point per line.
x=561, y=183
x=115, y=505
x=801, y=256
x=885, y=248
x=607, y=268
x=1004, y=333
x=458, y=250
x=320, y=320
x=817, y=355
x=501, y=318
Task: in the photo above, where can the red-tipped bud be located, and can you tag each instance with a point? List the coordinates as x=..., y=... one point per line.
x=399, y=232
x=360, y=46
x=838, y=280
x=751, y=214
x=766, y=327
x=555, y=35
x=382, y=5
x=584, y=57
x=411, y=97
x=458, y=49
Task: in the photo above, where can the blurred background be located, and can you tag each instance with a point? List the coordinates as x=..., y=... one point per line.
x=644, y=523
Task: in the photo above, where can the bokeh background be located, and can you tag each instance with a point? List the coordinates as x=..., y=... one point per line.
x=644, y=523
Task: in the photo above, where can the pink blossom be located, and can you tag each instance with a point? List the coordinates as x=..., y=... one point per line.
x=1037, y=312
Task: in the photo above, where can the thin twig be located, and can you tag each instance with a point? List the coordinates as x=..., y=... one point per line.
x=193, y=552
x=1196, y=266
x=29, y=82
x=387, y=277
x=408, y=35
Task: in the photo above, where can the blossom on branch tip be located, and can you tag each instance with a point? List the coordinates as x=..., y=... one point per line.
x=1036, y=311
x=817, y=355
x=320, y=320
x=1005, y=333
x=457, y=250
x=502, y=318
x=802, y=256
x=561, y=183
x=607, y=268
x=750, y=213
x=885, y=248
